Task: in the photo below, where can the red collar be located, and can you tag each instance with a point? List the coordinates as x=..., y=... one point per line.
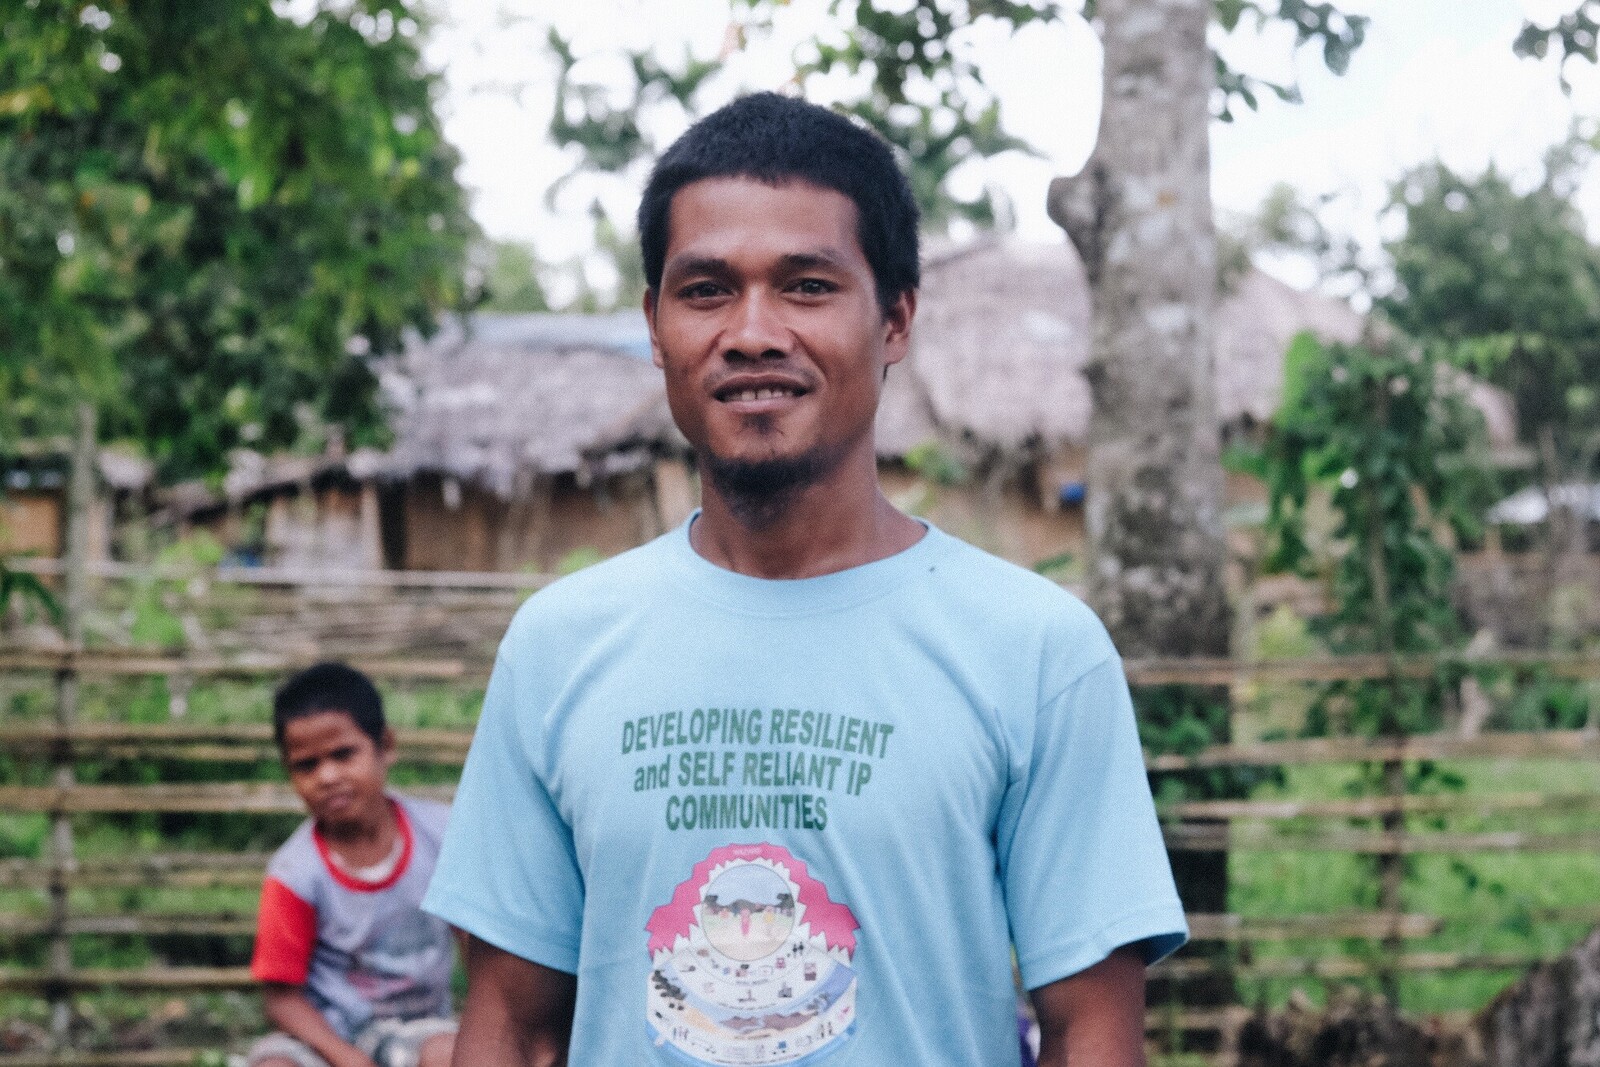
x=355, y=884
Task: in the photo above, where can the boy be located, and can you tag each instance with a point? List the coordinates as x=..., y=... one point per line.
x=355, y=974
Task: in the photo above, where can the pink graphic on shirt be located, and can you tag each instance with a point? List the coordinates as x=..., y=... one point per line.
x=673, y=920
x=752, y=963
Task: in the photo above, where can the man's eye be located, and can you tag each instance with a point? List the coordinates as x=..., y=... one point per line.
x=700, y=291
x=812, y=287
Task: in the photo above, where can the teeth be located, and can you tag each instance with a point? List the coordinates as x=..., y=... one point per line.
x=765, y=393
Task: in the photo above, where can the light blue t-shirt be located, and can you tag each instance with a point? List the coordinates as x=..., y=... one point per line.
x=768, y=822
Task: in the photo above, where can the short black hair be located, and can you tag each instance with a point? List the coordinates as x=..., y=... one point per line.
x=778, y=139
x=329, y=687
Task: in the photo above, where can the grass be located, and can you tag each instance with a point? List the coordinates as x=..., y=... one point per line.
x=1488, y=900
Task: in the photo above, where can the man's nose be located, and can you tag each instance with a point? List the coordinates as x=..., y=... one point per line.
x=758, y=331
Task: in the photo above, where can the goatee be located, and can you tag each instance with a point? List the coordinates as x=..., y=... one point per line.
x=759, y=492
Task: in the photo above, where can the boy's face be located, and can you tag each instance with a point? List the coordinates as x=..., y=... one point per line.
x=337, y=770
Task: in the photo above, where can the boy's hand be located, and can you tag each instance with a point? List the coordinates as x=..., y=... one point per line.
x=288, y=1009
x=354, y=1057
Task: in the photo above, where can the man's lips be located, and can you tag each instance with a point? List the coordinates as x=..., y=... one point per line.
x=765, y=391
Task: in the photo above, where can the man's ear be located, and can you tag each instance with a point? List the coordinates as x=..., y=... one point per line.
x=897, y=327
x=650, y=320
x=386, y=747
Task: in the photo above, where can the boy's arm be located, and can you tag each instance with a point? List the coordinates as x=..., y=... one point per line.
x=1094, y=1018
x=288, y=1009
x=518, y=1013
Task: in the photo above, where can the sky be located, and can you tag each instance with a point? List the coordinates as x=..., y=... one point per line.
x=1435, y=78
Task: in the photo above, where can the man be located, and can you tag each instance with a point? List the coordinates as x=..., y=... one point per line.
x=790, y=781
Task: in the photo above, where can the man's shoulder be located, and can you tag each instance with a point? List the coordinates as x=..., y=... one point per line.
x=594, y=595
x=1011, y=590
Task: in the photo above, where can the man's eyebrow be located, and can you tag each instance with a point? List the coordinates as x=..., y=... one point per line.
x=715, y=266
x=824, y=259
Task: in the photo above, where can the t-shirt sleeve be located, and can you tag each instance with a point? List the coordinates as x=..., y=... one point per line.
x=286, y=936
x=507, y=871
x=1084, y=866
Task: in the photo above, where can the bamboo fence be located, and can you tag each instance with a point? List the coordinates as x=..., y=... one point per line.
x=1211, y=825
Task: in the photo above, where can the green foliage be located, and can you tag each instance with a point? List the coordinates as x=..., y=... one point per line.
x=1338, y=34
x=1575, y=34
x=1509, y=284
x=1387, y=435
x=211, y=216
x=158, y=596
x=1287, y=222
x=922, y=92
x=578, y=559
x=931, y=461
x=512, y=278
x=28, y=591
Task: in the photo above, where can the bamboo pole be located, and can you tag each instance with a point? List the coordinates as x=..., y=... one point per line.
x=1196, y=671
x=447, y=746
x=1255, y=838
x=80, y=503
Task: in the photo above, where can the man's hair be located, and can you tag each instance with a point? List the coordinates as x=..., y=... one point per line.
x=329, y=687
x=775, y=140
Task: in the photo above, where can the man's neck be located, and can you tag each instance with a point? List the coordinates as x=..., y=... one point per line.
x=830, y=526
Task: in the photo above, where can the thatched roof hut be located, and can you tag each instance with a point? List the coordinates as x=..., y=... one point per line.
x=496, y=398
x=1004, y=332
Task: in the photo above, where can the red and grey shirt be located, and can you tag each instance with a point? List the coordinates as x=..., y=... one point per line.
x=361, y=950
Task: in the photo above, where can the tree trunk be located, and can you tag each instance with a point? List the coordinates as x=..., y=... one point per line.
x=1140, y=214
x=1143, y=221
x=1551, y=1018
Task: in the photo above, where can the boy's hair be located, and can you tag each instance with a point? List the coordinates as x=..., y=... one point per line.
x=776, y=139
x=329, y=687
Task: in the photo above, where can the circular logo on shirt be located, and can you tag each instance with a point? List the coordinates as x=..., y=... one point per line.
x=751, y=962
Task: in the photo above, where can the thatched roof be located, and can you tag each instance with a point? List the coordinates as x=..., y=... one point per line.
x=1255, y=324
x=1001, y=339
x=545, y=394
x=1003, y=333
x=43, y=463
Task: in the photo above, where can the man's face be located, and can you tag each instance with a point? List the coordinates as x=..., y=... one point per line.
x=767, y=324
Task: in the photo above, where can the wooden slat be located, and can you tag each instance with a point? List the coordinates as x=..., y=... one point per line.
x=249, y=668
x=1373, y=925
x=1371, y=807
x=1545, y=744
x=226, y=742
x=1340, y=967
x=169, y=1057
x=256, y=798
x=1145, y=672
x=143, y=979
x=308, y=577
x=1157, y=1021
x=1323, y=967
x=132, y=925
x=1201, y=671
x=1258, y=838
x=173, y=869
x=450, y=745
